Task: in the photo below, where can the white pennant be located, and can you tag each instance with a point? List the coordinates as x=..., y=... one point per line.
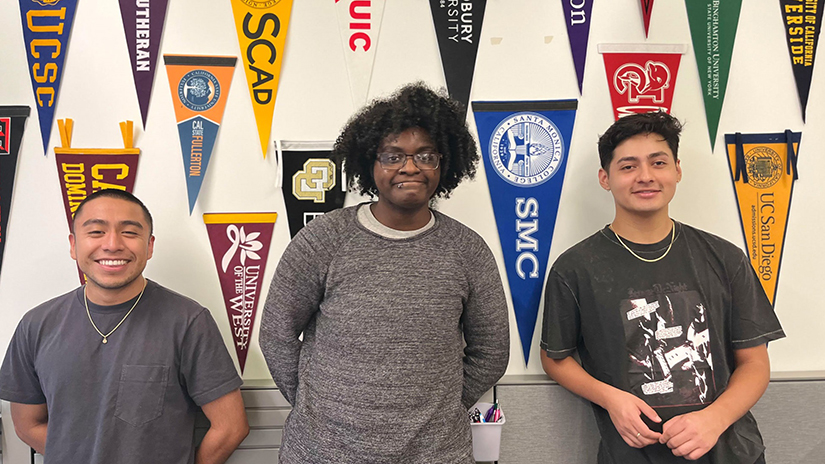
x=359, y=22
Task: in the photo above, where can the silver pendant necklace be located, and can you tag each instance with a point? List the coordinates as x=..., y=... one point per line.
x=672, y=239
x=88, y=313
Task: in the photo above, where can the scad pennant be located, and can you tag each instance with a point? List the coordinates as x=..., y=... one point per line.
x=641, y=77
x=200, y=85
x=803, y=21
x=83, y=171
x=763, y=171
x=525, y=147
x=458, y=29
x=12, y=123
x=240, y=245
x=313, y=182
x=713, y=30
x=360, y=23
x=577, y=17
x=46, y=28
x=262, y=26
x=143, y=25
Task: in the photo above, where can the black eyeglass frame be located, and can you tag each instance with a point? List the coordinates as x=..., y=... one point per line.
x=404, y=162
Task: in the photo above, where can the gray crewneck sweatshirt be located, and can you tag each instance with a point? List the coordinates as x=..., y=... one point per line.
x=383, y=374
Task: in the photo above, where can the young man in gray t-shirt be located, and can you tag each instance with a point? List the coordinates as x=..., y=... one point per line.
x=113, y=372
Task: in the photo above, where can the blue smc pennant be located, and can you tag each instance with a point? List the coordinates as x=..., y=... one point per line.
x=525, y=146
x=46, y=27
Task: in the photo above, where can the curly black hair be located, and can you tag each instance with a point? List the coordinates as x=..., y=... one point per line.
x=414, y=105
x=659, y=123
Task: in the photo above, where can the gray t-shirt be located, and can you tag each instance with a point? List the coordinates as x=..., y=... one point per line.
x=131, y=400
x=383, y=374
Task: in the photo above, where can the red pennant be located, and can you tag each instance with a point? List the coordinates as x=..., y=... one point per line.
x=647, y=7
x=641, y=77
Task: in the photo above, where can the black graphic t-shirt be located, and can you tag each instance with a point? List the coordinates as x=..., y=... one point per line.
x=665, y=331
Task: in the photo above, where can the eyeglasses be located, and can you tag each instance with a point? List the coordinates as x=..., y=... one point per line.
x=423, y=161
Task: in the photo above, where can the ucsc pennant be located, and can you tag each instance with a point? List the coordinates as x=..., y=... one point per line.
x=458, y=29
x=83, y=171
x=360, y=23
x=713, y=30
x=240, y=245
x=313, y=182
x=647, y=8
x=641, y=77
x=525, y=146
x=12, y=123
x=763, y=170
x=200, y=85
x=262, y=26
x=46, y=28
x=577, y=17
x=143, y=24
x=803, y=21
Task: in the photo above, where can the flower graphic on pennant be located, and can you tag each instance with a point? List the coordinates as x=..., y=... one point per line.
x=247, y=244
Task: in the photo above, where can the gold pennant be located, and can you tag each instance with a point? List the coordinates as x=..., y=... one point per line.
x=262, y=26
x=763, y=174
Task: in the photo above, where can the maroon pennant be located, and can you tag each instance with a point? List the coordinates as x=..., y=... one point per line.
x=240, y=245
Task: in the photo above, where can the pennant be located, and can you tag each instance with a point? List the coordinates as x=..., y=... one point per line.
x=199, y=86
x=46, y=28
x=713, y=30
x=641, y=77
x=803, y=21
x=647, y=8
x=12, y=123
x=763, y=171
x=83, y=171
x=577, y=15
x=458, y=29
x=360, y=23
x=240, y=245
x=143, y=25
x=525, y=147
x=313, y=183
x=262, y=26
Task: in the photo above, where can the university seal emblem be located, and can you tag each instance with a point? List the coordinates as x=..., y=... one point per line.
x=764, y=167
x=526, y=149
x=199, y=90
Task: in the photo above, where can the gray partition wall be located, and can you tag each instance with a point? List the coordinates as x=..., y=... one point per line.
x=546, y=424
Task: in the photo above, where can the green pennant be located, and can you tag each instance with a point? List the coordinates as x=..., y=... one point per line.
x=713, y=30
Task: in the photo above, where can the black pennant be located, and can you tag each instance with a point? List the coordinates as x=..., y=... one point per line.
x=458, y=29
x=12, y=123
x=312, y=184
x=802, y=21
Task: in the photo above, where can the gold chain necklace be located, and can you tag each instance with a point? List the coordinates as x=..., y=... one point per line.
x=88, y=313
x=672, y=239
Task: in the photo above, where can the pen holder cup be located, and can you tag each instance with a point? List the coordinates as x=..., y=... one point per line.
x=486, y=436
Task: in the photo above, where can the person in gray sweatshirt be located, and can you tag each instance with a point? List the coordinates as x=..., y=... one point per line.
x=387, y=320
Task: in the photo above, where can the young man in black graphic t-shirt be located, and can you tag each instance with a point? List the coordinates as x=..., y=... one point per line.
x=670, y=322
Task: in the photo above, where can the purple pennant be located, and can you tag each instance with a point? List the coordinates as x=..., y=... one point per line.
x=577, y=17
x=143, y=24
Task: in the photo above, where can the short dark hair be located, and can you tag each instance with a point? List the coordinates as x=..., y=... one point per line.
x=413, y=106
x=659, y=123
x=120, y=195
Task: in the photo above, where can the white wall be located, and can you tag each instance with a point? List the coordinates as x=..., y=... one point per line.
x=531, y=62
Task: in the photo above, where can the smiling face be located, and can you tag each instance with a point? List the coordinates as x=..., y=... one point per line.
x=642, y=176
x=111, y=243
x=408, y=189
